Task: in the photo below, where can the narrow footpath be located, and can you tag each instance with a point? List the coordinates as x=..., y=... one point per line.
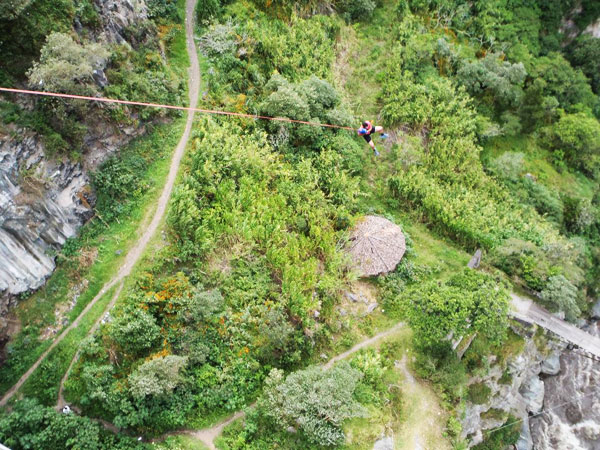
x=136, y=252
x=208, y=435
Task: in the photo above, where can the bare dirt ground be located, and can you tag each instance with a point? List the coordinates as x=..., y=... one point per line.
x=136, y=252
x=425, y=421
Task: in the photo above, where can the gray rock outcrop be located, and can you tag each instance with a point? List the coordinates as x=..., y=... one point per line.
x=525, y=442
x=515, y=389
x=42, y=204
x=551, y=365
x=533, y=393
x=572, y=403
x=118, y=15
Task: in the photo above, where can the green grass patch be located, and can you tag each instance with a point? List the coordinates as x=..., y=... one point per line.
x=43, y=384
x=493, y=413
x=179, y=443
x=479, y=393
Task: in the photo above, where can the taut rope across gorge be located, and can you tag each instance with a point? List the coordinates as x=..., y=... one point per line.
x=181, y=108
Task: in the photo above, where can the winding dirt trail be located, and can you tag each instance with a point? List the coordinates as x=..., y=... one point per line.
x=423, y=427
x=136, y=252
x=208, y=435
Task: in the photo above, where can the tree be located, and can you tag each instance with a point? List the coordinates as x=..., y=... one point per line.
x=316, y=400
x=468, y=302
x=578, y=136
x=490, y=76
x=313, y=99
x=585, y=54
x=64, y=64
x=135, y=331
x=568, y=85
x=560, y=294
x=157, y=377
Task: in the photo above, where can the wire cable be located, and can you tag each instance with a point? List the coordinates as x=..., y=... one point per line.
x=180, y=108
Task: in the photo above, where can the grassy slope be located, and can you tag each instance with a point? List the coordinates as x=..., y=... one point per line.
x=37, y=312
x=537, y=163
x=357, y=74
x=360, y=51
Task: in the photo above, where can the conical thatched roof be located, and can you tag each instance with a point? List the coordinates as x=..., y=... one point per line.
x=376, y=246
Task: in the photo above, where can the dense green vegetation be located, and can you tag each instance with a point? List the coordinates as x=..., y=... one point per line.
x=495, y=146
x=31, y=425
x=39, y=49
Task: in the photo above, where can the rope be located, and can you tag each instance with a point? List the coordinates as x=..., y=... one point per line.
x=181, y=108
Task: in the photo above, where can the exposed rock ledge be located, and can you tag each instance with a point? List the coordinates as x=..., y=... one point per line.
x=42, y=204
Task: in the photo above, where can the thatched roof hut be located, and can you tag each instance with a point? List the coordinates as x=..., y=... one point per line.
x=376, y=246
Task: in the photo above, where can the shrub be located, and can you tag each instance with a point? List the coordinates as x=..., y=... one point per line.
x=561, y=295
x=479, y=393
x=508, y=165
x=157, y=377
x=64, y=64
x=441, y=365
x=163, y=10
x=544, y=200
x=524, y=259
x=116, y=182
x=354, y=10
x=468, y=302
x=316, y=400
x=135, y=331
x=578, y=136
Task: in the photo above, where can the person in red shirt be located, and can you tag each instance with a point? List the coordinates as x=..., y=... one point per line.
x=367, y=130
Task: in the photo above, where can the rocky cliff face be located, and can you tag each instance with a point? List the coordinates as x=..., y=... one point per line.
x=118, y=15
x=517, y=389
x=572, y=404
x=551, y=388
x=42, y=204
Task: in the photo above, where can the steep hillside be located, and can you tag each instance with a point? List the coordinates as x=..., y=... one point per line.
x=50, y=148
x=246, y=324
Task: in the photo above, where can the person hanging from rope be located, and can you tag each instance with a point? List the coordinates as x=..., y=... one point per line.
x=367, y=130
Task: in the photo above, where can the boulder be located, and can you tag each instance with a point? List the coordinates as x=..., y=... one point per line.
x=475, y=260
x=551, y=365
x=525, y=441
x=533, y=394
x=371, y=307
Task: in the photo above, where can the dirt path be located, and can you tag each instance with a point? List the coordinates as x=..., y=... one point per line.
x=134, y=254
x=363, y=344
x=61, y=400
x=424, y=425
x=208, y=435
